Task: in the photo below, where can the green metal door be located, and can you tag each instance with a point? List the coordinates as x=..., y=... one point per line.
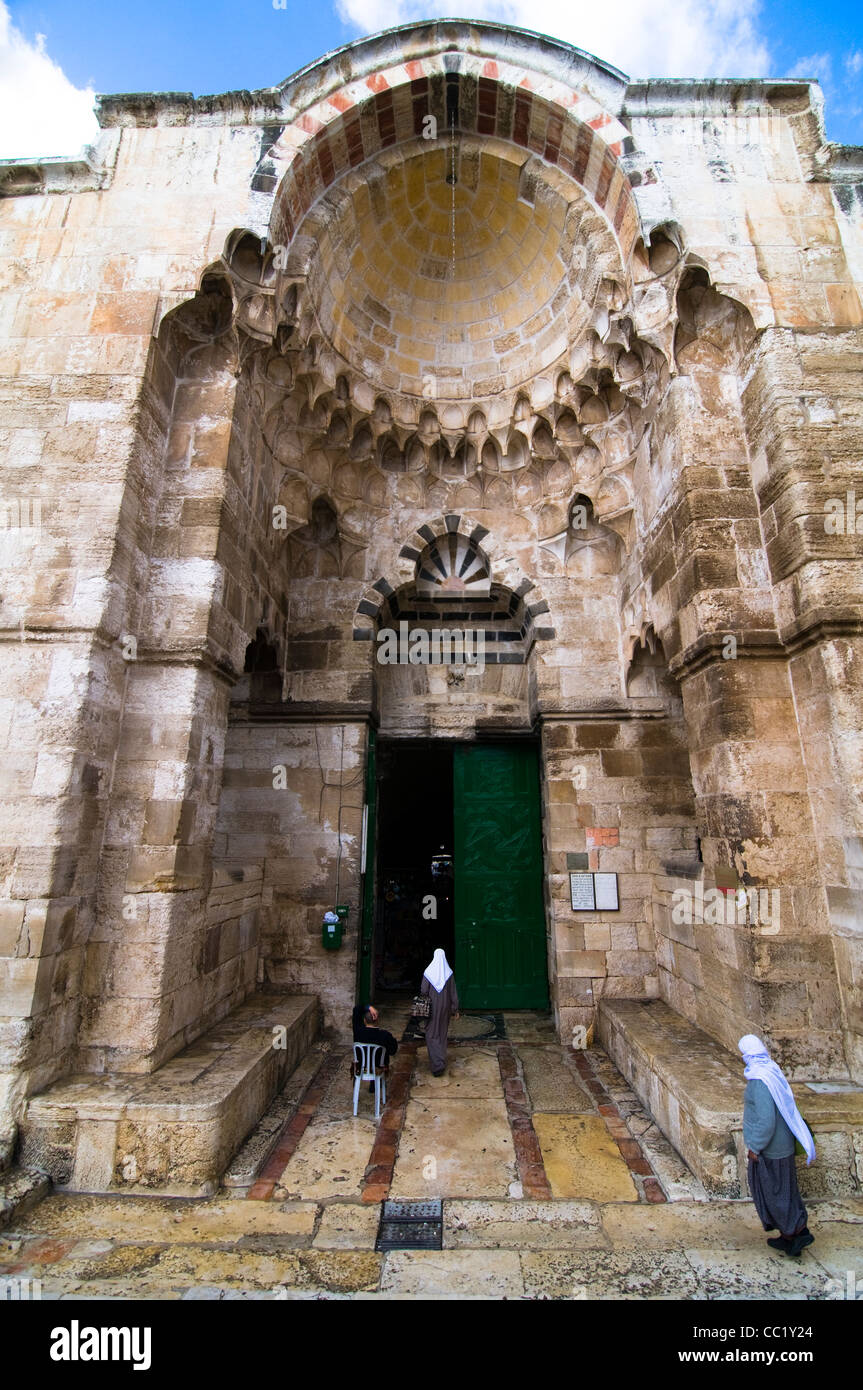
x=500, y=942
x=367, y=915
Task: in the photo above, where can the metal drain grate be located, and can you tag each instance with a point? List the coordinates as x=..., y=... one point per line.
x=410, y=1226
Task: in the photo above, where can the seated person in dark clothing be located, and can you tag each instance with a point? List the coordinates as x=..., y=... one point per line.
x=365, y=1016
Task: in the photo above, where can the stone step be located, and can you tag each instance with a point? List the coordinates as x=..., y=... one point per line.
x=251, y=1157
x=20, y=1189
x=693, y=1087
x=173, y=1132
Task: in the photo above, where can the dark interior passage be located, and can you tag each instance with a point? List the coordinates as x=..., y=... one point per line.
x=414, y=882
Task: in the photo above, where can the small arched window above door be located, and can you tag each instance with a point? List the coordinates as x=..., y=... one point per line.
x=453, y=565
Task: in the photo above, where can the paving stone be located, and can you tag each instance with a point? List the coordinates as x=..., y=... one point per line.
x=551, y=1084
x=330, y=1160
x=248, y=1162
x=150, y=1268
x=534, y=1029
x=220, y=1221
x=618, y=1274
x=470, y=1075
x=838, y=1250
x=347, y=1226
x=725, y=1225
x=523, y=1225
x=723, y=1276
x=582, y=1160
x=463, y=1273
x=455, y=1148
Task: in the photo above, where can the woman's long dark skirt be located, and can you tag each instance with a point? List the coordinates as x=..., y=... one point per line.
x=773, y=1184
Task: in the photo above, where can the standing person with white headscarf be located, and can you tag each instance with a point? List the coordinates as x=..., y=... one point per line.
x=771, y=1122
x=439, y=982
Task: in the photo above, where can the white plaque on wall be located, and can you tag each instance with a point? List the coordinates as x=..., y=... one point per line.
x=605, y=888
x=581, y=893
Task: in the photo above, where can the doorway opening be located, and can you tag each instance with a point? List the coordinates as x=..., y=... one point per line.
x=460, y=865
x=414, y=870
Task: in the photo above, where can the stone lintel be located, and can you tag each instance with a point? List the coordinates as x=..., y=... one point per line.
x=310, y=712
x=635, y=708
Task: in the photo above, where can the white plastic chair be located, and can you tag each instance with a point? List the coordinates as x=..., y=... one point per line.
x=367, y=1068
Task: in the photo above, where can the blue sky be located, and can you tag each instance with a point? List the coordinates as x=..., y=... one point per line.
x=60, y=52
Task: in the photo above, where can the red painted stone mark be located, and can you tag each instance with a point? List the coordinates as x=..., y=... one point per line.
x=43, y=1251
x=377, y=82
x=293, y=1131
x=341, y=101
x=382, y=1160
x=528, y=1154
x=602, y=837
x=414, y=70
x=490, y=69
x=652, y=1190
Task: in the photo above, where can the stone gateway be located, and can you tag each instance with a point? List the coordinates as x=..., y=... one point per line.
x=454, y=330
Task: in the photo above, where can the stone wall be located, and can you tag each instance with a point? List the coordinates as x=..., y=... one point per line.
x=290, y=815
x=212, y=473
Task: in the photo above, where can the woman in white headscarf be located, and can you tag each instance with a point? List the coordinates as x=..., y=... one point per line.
x=439, y=982
x=771, y=1123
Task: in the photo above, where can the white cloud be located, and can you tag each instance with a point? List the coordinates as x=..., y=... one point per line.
x=41, y=112
x=854, y=62
x=691, y=38
x=817, y=65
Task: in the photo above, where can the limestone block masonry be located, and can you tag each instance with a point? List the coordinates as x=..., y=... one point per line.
x=693, y=1090
x=174, y=1132
x=461, y=327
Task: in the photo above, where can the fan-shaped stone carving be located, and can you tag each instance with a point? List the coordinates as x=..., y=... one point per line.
x=452, y=564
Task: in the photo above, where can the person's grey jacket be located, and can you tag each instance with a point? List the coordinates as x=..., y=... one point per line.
x=764, y=1130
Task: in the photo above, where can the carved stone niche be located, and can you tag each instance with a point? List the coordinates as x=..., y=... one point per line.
x=586, y=548
x=262, y=675
x=648, y=676
x=324, y=548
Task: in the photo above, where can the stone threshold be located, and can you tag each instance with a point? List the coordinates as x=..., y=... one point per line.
x=171, y=1133
x=693, y=1087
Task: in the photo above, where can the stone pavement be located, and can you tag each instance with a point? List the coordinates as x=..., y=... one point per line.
x=555, y=1184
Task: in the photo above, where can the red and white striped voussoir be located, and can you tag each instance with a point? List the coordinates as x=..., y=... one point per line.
x=567, y=126
x=401, y=75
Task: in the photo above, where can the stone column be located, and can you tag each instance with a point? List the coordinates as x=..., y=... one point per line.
x=802, y=402
x=749, y=774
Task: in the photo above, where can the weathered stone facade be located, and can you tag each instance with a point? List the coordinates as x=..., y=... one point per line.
x=262, y=351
